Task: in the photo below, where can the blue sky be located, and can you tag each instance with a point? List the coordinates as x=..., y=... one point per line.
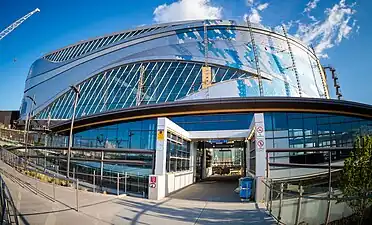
x=339, y=30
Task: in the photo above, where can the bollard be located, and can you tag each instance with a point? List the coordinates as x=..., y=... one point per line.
x=280, y=201
x=94, y=181
x=73, y=173
x=77, y=195
x=54, y=187
x=125, y=182
x=117, y=184
x=299, y=205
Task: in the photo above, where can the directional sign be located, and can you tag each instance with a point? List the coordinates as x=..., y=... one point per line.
x=152, y=185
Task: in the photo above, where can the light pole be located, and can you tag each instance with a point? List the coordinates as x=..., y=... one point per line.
x=77, y=95
x=28, y=121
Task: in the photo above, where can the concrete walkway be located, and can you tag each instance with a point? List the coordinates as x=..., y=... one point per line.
x=105, y=209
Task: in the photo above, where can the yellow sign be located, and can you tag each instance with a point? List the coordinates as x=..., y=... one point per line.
x=160, y=135
x=206, y=76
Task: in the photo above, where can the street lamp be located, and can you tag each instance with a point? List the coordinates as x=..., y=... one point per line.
x=28, y=121
x=77, y=95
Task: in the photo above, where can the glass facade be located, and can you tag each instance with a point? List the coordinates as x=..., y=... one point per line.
x=232, y=121
x=117, y=88
x=283, y=130
x=307, y=130
x=171, y=57
x=178, y=153
x=134, y=135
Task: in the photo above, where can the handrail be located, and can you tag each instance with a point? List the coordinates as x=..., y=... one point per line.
x=99, y=180
x=296, y=201
x=340, y=199
x=112, y=150
x=316, y=149
x=7, y=205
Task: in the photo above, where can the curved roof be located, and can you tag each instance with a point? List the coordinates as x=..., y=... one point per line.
x=85, y=46
x=223, y=105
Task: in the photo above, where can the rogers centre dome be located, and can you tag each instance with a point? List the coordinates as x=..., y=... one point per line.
x=194, y=96
x=163, y=63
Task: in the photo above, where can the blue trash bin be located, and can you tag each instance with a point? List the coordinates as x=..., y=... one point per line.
x=245, y=184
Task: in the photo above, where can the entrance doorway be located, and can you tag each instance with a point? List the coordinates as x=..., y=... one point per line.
x=219, y=165
x=220, y=159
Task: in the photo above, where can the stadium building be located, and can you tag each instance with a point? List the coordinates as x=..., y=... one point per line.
x=206, y=97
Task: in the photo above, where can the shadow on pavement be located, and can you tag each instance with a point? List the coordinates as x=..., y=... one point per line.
x=168, y=212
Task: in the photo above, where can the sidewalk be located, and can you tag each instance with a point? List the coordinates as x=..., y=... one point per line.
x=96, y=208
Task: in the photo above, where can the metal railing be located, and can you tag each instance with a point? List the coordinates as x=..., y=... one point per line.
x=290, y=206
x=18, y=136
x=312, y=196
x=9, y=213
x=91, y=179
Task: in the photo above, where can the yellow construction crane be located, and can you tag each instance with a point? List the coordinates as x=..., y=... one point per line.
x=17, y=23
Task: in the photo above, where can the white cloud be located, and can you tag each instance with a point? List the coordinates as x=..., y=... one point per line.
x=329, y=32
x=186, y=10
x=254, y=16
x=262, y=6
x=311, y=5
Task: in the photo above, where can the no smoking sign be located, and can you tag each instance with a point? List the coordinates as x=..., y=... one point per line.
x=260, y=144
x=259, y=129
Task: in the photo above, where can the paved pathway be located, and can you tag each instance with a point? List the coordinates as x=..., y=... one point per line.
x=107, y=209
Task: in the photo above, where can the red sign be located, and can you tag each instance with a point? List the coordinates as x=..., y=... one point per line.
x=152, y=179
x=259, y=129
x=260, y=143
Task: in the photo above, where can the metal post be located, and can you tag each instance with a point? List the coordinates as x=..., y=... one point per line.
x=102, y=156
x=329, y=187
x=280, y=201
x=271, y=196
x=125, y=182
x=117, y=184
x=1, y=190
x=77, y=92
x=94, y=181
x=37, y=181
x=73, y=172
x=28, y=122
x=54, y=188
x=138, y=182
x=299, y=205
x=45, y=162
x=77, y=195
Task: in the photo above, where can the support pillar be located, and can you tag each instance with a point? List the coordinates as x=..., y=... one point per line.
x=258, y=124
x=157, y=181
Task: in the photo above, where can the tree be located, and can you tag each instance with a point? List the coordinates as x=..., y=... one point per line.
x=356, y=178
